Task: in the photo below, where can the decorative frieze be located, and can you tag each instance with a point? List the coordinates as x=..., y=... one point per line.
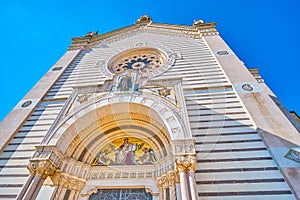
x=184, y=147
x=69, y=182
x=116, y=172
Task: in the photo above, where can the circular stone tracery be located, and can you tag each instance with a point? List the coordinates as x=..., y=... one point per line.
x=145, y=60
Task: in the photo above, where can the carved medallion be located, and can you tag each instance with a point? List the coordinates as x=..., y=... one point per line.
x=26, y=104
x=247, y=87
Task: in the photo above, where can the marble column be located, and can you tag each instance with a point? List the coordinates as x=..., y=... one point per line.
x=192, y=184
x=185, y=166
x=172, y=184
x=191, y=177
x=183, y=183
x=34, y=188
x=25, y=187
x=178, y=190
x=66, y=182
x=159, y=182
x=165, y=182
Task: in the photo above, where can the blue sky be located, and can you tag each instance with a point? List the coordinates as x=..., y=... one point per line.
x=35, y=34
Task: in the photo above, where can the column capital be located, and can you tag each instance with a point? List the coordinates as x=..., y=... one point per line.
x=43, y=168
x=159, y=181
x=186, y=163
x=165, y=180
x=171, y=178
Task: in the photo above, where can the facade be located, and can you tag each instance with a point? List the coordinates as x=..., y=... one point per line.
x=150, y=111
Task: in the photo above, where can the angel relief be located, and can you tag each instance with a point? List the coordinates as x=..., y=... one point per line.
x=127, y=151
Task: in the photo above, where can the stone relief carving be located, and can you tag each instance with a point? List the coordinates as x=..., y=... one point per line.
x=164, y=92
x=83, y=97
x=69, y=182
x=42, y=168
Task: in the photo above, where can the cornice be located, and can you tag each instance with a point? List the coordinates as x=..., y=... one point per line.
x=144, y=25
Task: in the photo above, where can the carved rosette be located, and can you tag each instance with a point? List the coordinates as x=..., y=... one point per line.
x=42, y=168
x=69, y=182
x=187, y=163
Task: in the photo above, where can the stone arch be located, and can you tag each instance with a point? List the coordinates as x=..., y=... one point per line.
x=73, y=142
x=85, y=119
x=113, y=126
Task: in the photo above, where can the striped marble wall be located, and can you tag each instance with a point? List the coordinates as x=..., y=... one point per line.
x=233, y=162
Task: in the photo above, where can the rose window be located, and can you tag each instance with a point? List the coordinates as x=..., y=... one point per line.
x=144, y=60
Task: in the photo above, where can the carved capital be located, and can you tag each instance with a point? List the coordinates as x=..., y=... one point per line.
x=43, y=168
x=69, y=181
x=165, y=180
x=159, y=182
x=171, y=178
x=187, y=163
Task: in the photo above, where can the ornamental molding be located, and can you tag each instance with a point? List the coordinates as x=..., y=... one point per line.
x=144, y=25
x=166, y=110
x=69, y=181
x=48, y=153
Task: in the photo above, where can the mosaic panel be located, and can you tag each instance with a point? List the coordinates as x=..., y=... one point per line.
x=125, y=151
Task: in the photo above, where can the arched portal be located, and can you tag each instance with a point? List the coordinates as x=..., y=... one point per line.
x=114, y=142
